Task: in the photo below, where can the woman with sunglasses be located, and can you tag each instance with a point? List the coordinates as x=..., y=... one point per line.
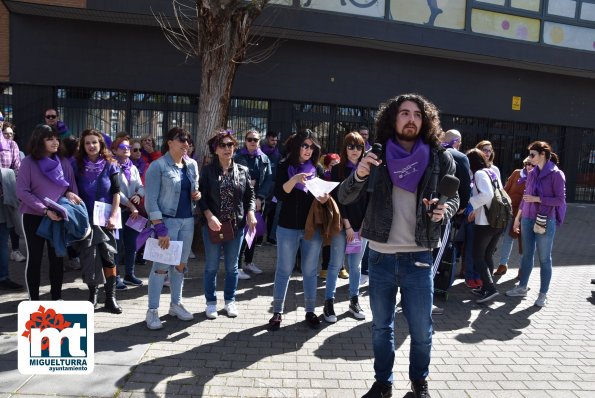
x=170, y=192
x=352, y=216
x=149, y=151
x=261, y=178
x=488, y=150
x=131, y=193
x=300, y=165
x=515, y=186
x=97, y=177
x=542, y=209
x=227, y=203
x=136, y=156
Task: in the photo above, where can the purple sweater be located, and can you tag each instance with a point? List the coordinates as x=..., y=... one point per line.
x=550, y=185
x=33, y=186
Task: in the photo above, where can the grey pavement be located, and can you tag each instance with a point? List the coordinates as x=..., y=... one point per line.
x=509, y=348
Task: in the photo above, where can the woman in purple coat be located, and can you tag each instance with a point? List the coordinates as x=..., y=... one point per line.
x=542, y=209
x=44, y=173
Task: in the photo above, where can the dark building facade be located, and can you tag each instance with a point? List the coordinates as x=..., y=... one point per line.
x=511, y=71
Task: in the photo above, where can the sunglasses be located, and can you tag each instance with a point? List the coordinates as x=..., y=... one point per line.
x=252, y=139
x=51, y=116
x=124, y=147
x=532, y=155
x=306, y=146
x=135, y=149
x=183, y=140
x=528, y=164
x=226, y=145
x=351, y=147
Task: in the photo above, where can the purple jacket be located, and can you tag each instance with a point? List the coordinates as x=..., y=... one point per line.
x=550, y=185
x=33, y=186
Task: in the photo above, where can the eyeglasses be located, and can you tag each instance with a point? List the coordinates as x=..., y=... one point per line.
x=124, y=147
x=532, y=155
x=183, y=140
x=486, y=150
x=351, y=147
x=226, y=145
x=135, y=149
x=251, y=139
x=528, y=164
x=306, y=147
x=51, y=116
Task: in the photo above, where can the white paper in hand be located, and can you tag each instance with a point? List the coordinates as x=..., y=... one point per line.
x=319, y=187
x=101, y=213
x=172, y=255
x=249, y=237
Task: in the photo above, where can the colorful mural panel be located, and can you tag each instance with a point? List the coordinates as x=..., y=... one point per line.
x=504, y=25
x=440, y=13
x=563, y=8
x=569, y=36
x=369, y=8
x=588, y=12
x=530, y=5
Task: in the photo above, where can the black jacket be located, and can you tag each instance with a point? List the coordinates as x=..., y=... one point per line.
x=354, y=212
x=379, y=214
x=463, y=173
x=210, y=191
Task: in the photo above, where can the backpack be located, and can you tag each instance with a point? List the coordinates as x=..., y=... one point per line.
x=500, y=211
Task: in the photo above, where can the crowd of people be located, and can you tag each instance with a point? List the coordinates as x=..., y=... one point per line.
x=381, y=225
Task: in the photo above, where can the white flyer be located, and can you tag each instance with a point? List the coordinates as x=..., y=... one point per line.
x=172, y=255
x=101, y=213
x=318, y=187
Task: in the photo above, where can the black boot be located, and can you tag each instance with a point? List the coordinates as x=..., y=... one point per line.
x=110, y=296
x=93, y=293
x=329, y=311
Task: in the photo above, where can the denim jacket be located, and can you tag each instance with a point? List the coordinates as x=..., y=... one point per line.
x=163, y=185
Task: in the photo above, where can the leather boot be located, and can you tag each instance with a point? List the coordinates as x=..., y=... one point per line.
x=110, y=291
x=93, y=293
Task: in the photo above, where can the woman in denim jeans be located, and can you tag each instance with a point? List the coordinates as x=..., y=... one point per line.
x=542, y=209
x=300, y=165
x=171, y=187
x=227, y=198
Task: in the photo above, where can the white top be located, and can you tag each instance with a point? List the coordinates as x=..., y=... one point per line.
x=483, y=192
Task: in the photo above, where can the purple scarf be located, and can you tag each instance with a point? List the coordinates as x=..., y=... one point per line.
x=406, y=169
x=269, y=150
x=140, y=164
x=4, y=143
x=302, y=168
x=93, y=169
x=52, y=169
x=367, y=146
x=126, y=168
x=244, y=151
x=351, y=165
x=523, y=177
x=450, y=143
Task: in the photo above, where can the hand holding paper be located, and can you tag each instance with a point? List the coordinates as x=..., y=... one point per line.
x=319, y=187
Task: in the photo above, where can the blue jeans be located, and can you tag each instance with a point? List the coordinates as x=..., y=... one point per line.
x=288, y=242
x=507, y=242
x=354, y=262
x=543, y=243
x=387, y=273
x=127, y=245
x=3, y=252
x=470, y=271
x=231, y=254
x=179, y=229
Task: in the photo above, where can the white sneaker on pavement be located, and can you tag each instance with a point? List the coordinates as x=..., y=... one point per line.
x=252, y=268
x=541, y=300
x=231, y=309
x=363, y=280
x=181, y=312
x=518, y=291
x=17, y=256
x=211, y=311
x=152, y=319
x=242, y=274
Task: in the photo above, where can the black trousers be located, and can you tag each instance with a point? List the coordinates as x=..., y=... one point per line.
x=35, y=245
x=485, y=240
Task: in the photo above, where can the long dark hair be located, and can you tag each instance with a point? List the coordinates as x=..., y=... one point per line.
x=103, y=151
x=294, y=143
x=36, y=144
x=477, y=160
x=544, y=147
x=353, y=138
x=386, y=119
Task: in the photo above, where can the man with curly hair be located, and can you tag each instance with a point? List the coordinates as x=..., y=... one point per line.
x=402, y=227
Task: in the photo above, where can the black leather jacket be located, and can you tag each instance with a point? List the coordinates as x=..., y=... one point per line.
x=209, y=187
x=379, y=214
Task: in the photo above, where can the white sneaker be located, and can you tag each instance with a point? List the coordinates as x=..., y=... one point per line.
x=211, y=311
x=518, y=291
x=181, y=312
x=252, y=268
x=363, y=280
x=242, y=274
x=541, y=300
x=16, y=255
x=152, y=319
x=231, y=309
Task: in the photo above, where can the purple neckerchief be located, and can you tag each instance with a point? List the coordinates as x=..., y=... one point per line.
x=523, y=177
x=4, y=143
x=406, y=169
x=302, y=168
x=140, y=164
x=52, y=169
x=126, y=166
x=449, y=144
x=367, y=146
x=351, y=165
x=269, y=150
x=246, y=152
x=93, y=169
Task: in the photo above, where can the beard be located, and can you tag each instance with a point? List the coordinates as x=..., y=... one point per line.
x=408, y=133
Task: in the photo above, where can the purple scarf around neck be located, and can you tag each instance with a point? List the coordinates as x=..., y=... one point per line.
x=246, y=152
x=351, y=165
x=4, y=143
x=51, y=167
x=93, y=169
x=268, y=150
x=140, y=164
x=126, y=166
x=307, y=167
x=406, y=169
x=523, y=177
x=367, y=146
